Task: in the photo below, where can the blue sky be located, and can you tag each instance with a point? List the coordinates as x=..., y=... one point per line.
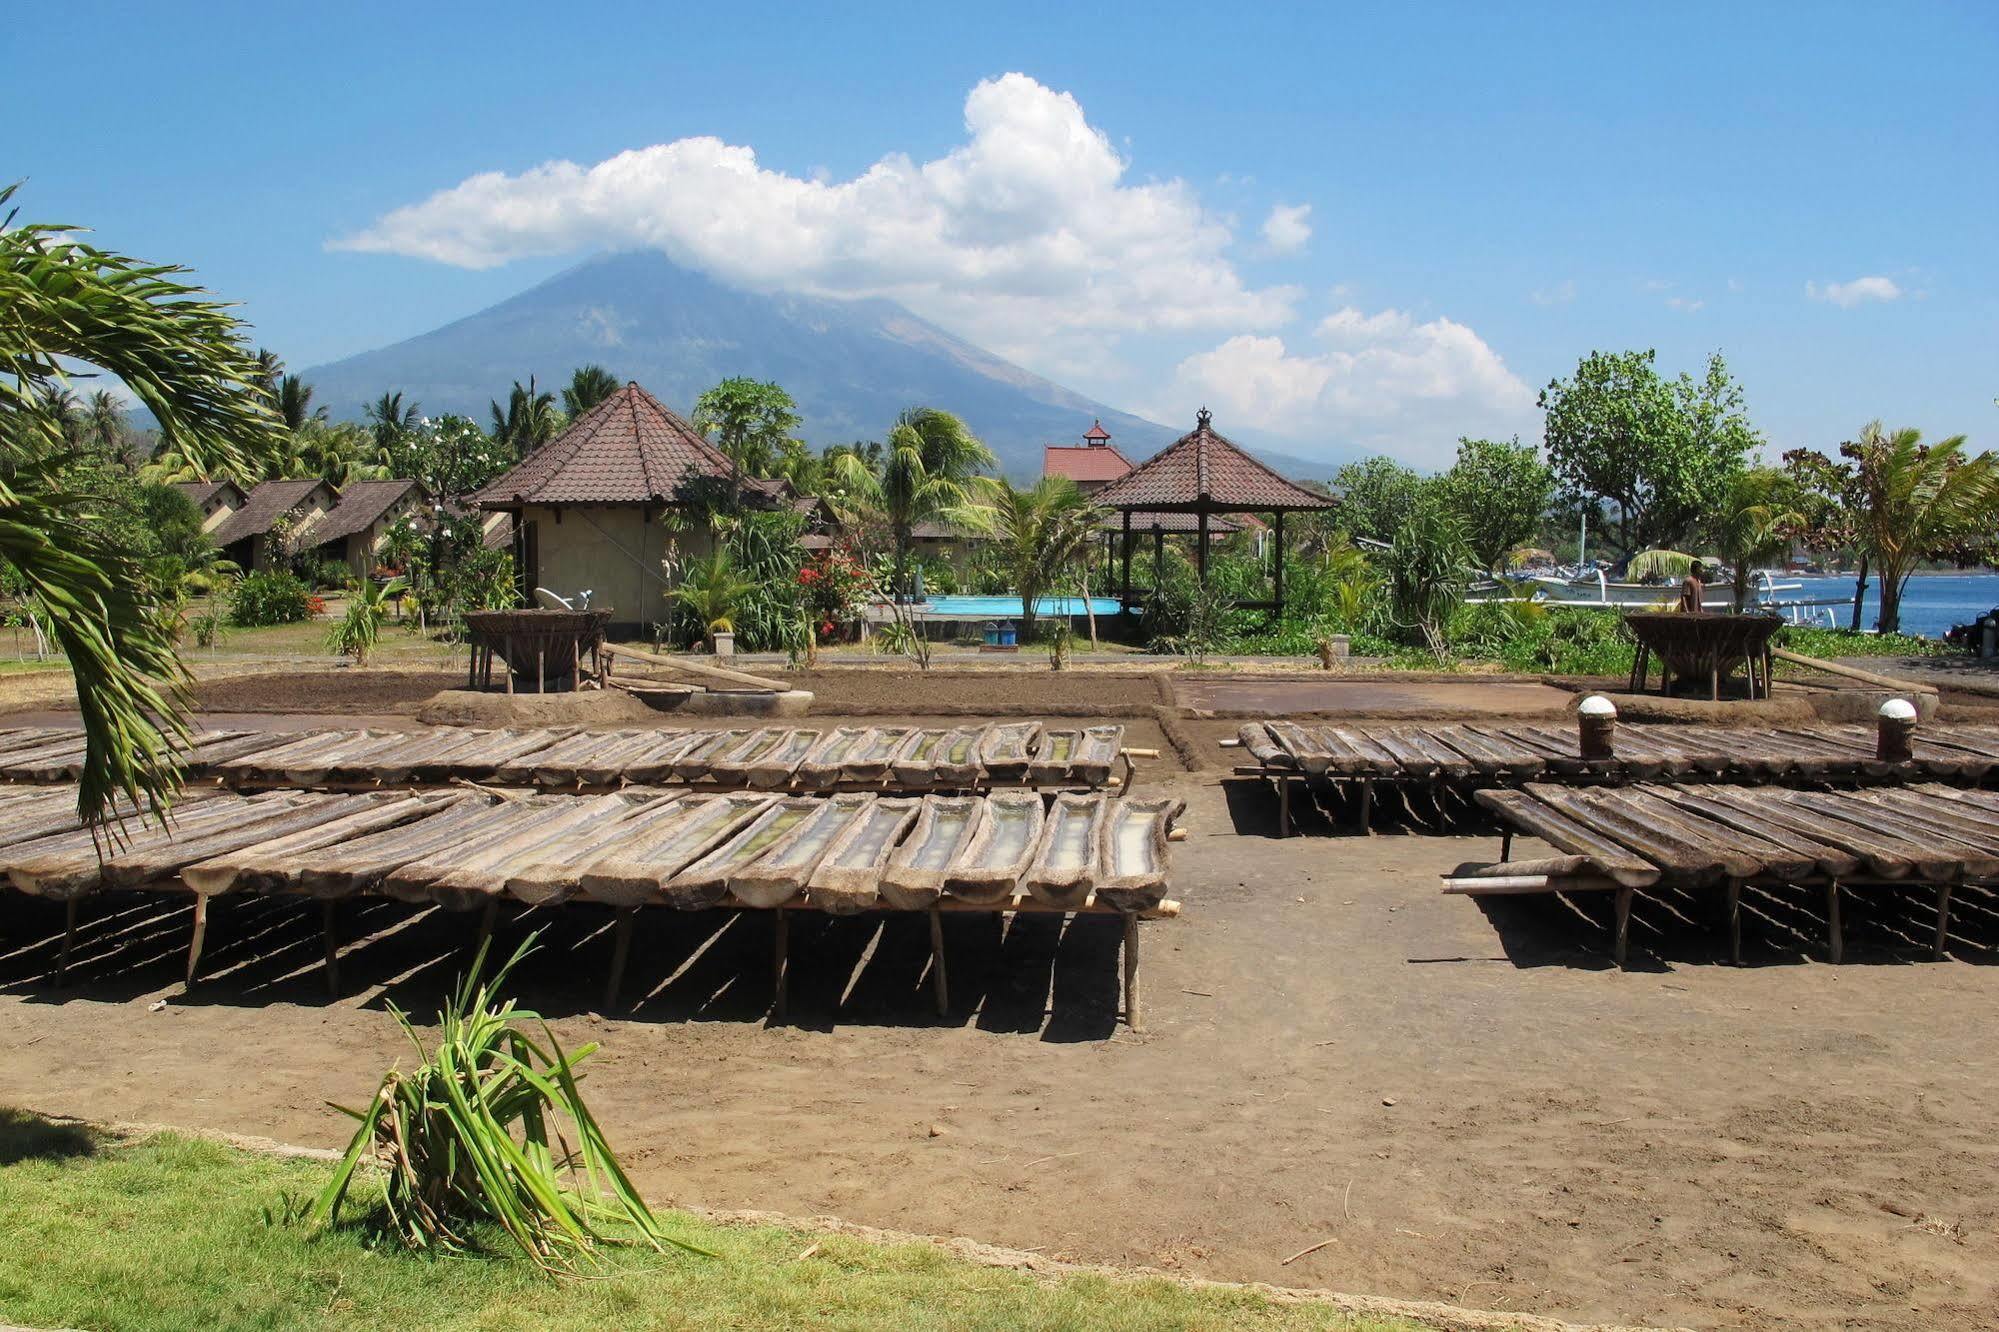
x=1343, y=228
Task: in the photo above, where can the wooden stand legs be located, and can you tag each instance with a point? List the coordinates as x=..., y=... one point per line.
x=1132, y=1012
x=1835, y=937
x=1735, y=921
x=781, y=947
x=937, y=975
x=1622, y=948
x=69, y=910
x=1283, y=806
x=621, y=952
x=200, y=935
x=332, y=944
x=1943, y=921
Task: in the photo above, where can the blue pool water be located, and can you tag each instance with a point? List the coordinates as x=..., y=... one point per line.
x=999, y=608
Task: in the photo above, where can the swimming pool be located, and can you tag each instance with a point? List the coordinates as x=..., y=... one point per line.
x=1002, y=608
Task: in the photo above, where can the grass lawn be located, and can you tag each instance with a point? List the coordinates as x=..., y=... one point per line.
x=172, y=1233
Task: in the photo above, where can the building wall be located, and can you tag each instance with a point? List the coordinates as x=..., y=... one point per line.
x=217, y=507
x=614, y=551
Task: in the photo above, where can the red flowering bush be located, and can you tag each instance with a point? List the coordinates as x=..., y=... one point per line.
x=831, y=587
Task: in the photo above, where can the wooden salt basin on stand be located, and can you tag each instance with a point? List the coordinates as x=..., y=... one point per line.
x=967, y=758
x=1702, y=646
x=1444, y=765
x=553, y=644
x=1692, y=839
x=461, y=850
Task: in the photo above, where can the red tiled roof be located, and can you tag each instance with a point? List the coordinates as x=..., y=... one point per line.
x=1097, y=431
x=1084, y=462
x=1203, y=470
x=360, y=504
x=628, y=449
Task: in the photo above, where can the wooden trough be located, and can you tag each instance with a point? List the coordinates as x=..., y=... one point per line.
x=1441, y=766
x=771, y=758
x=553, y=645
x=1706, y=838
x=646, y=847
x=1701, y=646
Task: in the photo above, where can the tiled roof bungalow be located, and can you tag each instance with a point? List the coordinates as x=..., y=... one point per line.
x=245, y=534
x=597, y=507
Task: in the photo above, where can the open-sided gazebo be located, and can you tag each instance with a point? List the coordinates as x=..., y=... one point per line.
x=1203, y=474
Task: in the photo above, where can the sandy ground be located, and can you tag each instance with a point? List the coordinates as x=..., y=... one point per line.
x=1468, y=1100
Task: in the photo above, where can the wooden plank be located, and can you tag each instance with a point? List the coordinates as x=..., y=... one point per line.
x=261, y=866
x=73, y=863
x=718, y=675
x=459, y=878
x=1262, y=746
x=1936, y=854
x=636, y=871
x=551, y=873
x=1526, y=810
x=1491, y=758
x=1741, y=854
x=1682, y=859
x=360, y=866
x=1711, y=802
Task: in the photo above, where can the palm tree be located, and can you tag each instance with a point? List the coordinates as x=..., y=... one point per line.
x=529, y=420
x=104, y=419
x=66, y=413
x=588, y=386
x=1917, y=501
x=295, y=403
x=181, y=356
x=1040, y=531
x=929, y=472
x=1757, y=519
x=390, y=419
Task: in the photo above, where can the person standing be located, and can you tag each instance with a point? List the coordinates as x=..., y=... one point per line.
x=1694, y=589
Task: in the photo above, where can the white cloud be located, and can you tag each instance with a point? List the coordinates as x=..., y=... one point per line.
x=1850, y=294
x=1560, y=294
x=1287, y=228
x=1684, y=304
x=1029, y=230
x=1381, y=381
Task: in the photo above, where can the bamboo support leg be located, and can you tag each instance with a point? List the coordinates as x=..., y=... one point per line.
x=510, y=677
x=1367, y=807
x=472, y=669
x=541, y=671
x=487, y=920
x=1133, y=1013
x=1283, y=806
x=621, y=952
x=1835, y=936
x=1506, y=846
x=937, y=975
x=1943, y=921
x=781, y=945
x=200, y=935
x=1714, y=683
x=1735, y=921
x=1622, y=948
x=69, y=910
x=331, y=940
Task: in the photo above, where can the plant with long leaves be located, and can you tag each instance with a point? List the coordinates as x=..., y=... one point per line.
x=1754, y=524
x=357, y=632
x=474, y=1135
x=713, y=589
x=180, y=355
x=929, y=472
x=1430, y=565
x=588, y=386
x=1919, y=501
x=1040, y=531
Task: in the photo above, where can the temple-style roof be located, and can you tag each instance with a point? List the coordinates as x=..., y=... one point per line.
x=1097, y=434
x=1202, y=470
x=267, y=502
x=628, y=449
x=1084, y=463
x=361, y=504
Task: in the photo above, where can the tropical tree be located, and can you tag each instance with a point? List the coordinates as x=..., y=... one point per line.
x=1661, y=450
x=357, y=632
x=295, y=403
x=528, y=421
x=714, y=590
x=1500, y=491
x=1826, y=495
x=1040, y=531
x=340, y=453
x=588, y=386
x=1429, y=566
x=390, y=419
x=104, y=423
x=180, y=355
x=1753, y=524
x=1376, y=495
x=751, y=421
x=929, y=472
x=1919, y=501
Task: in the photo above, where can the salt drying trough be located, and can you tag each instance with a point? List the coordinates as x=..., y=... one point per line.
x=1444, y=764
x=1681, y=839
x=771, y=758
x=839, y=853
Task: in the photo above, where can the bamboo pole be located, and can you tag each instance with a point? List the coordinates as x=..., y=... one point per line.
x=1850, y=672
x=937, y=973
x=1133, y=1016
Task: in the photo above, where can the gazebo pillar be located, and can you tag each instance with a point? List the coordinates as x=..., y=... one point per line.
x=1127, y=556
x=1158, y=555
x=1277, y=569
x=1201, y=549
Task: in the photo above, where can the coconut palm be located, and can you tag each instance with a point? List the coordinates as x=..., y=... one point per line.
x=929, y=472
x=390, y=419
x=295, y=403
x=529, y=419
x=1040, y=530
x=1917, y=502
x=104, y=423
x=588, y=386
x=180, y=355
x=1754, y=525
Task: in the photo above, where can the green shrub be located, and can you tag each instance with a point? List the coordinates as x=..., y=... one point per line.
x=1810, y=642
x=269, y=596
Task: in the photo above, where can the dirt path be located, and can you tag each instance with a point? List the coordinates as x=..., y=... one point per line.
x=1472, y=1104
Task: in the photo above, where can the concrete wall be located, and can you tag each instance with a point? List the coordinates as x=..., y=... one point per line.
x=615, y=551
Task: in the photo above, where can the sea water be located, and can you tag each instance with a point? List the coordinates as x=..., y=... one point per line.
x=1931, y=603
